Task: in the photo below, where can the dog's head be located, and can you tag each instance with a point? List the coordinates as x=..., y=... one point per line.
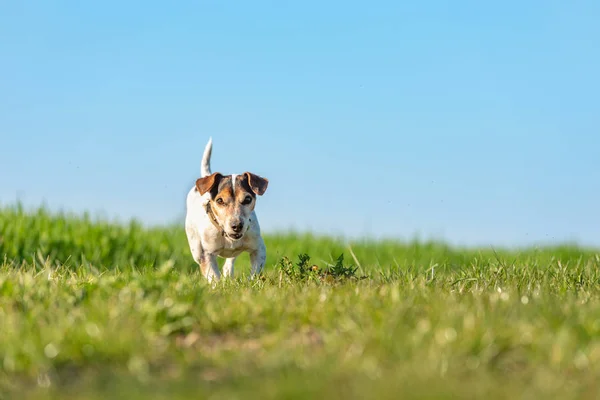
x=232, y=198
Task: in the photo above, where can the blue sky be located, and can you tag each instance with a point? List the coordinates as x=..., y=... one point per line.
x=473, y=122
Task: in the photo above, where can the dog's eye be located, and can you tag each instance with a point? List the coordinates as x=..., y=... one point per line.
x=247, y=200
x=220, y=201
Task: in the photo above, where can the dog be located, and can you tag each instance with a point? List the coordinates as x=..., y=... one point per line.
x=220, y=220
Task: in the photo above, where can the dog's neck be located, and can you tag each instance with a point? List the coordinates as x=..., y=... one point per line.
x=213, y=218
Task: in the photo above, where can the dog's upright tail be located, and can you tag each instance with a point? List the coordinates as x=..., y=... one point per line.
x=205, y=168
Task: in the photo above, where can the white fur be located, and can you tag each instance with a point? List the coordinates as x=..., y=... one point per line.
x=206, y=241
x=205, y=167
x=233, y=178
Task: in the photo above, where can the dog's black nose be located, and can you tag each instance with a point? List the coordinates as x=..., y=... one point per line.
x=237, y=227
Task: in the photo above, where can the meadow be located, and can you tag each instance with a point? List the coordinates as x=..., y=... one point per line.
x=93, y=309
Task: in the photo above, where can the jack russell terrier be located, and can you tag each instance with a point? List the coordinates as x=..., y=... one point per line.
x=220, y=220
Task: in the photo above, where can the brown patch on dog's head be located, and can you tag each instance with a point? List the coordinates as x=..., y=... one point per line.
x=223, y=191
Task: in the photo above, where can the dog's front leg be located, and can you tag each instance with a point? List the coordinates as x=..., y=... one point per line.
x=210, y=267
x=258, y=258
x=228, y=267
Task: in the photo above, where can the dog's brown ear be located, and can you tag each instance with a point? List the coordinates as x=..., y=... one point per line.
x=257, y=183
x=205, y=184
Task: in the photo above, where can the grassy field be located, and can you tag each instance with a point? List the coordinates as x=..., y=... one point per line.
x=96, y=310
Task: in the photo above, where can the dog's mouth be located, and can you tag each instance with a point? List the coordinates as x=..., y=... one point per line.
x=234, y=236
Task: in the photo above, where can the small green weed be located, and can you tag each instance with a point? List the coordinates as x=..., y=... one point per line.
x=304, y=270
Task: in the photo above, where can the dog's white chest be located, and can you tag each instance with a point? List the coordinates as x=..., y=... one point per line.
x=231, y=248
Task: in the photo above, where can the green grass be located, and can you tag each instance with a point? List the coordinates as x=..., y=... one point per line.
x=92, y=309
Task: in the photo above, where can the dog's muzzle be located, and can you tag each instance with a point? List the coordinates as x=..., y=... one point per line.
x=234, y=236
x=213, y=219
